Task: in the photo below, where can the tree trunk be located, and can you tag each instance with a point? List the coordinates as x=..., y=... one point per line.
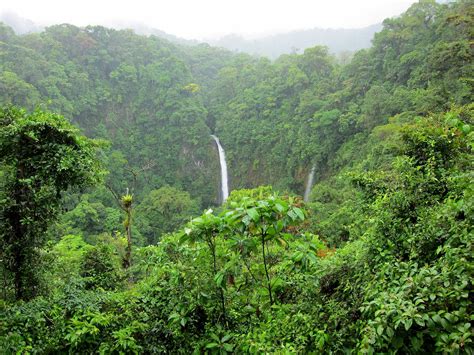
x=128, y=228
x=17, y=245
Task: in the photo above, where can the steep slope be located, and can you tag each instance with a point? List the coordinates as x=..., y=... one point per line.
x=131, y=90
x=277, y=120
x=158, y=103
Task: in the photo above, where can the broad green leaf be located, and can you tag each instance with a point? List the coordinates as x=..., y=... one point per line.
x=298, y=256
x=292, y=215
x=225, y=338
x=390, y=332
x=228, y=347
x=218, y=279
x=299, y=213
x=253, y=213
x=279, y=207
x=408, y=323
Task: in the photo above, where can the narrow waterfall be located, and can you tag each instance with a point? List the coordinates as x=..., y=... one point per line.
x=309, y=184
x=224, y=179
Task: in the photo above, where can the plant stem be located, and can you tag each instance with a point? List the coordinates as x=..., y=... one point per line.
x=269, y=286
x=212, y=246
x=249, y=270
x=128, y=228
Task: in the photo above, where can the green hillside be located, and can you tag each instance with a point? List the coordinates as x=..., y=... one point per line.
x=113, y=234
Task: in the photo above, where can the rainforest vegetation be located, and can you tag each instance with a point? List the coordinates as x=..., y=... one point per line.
x=114, y=237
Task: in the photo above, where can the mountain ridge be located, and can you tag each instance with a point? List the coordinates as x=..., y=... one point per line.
x=338, y=40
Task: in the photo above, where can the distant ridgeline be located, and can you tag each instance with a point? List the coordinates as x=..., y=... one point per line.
x=338, y=41
x=158, y=102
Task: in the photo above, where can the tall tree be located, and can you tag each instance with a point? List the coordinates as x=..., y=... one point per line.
x=41, y=155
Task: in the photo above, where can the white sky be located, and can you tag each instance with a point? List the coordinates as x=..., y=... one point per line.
x=209, y=18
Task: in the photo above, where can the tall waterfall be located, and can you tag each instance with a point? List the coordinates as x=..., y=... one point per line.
x=309, y=184
x=224, y=179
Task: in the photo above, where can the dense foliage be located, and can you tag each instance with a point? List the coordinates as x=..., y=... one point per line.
x=132, y=90
x=379, y=260
x=41, y=155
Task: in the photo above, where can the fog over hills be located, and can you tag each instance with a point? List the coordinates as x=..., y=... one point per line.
x=22, y=26
x=19, y=24
x=337, y=40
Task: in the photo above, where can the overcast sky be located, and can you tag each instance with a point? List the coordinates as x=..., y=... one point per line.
x=210, y=18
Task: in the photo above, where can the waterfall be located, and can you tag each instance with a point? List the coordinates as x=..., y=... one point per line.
x=309, y=184
x=224, y=179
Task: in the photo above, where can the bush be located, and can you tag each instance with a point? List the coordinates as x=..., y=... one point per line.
x=100, y=268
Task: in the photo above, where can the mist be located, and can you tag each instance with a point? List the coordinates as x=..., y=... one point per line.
x=209, y=19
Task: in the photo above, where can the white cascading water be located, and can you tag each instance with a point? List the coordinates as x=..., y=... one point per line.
x=309, y=184
x=224, y=179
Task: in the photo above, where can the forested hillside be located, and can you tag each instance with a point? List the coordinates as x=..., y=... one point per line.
x=134, y=91
x=279, y=119
x=104, y=243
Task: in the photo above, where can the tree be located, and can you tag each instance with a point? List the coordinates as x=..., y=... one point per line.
x=127, y=207
x=206, y=229
x=125, y=203
x=89, y=218
x=41, y=155
x=100, y=268
x=163, y=211
x=266, y=221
